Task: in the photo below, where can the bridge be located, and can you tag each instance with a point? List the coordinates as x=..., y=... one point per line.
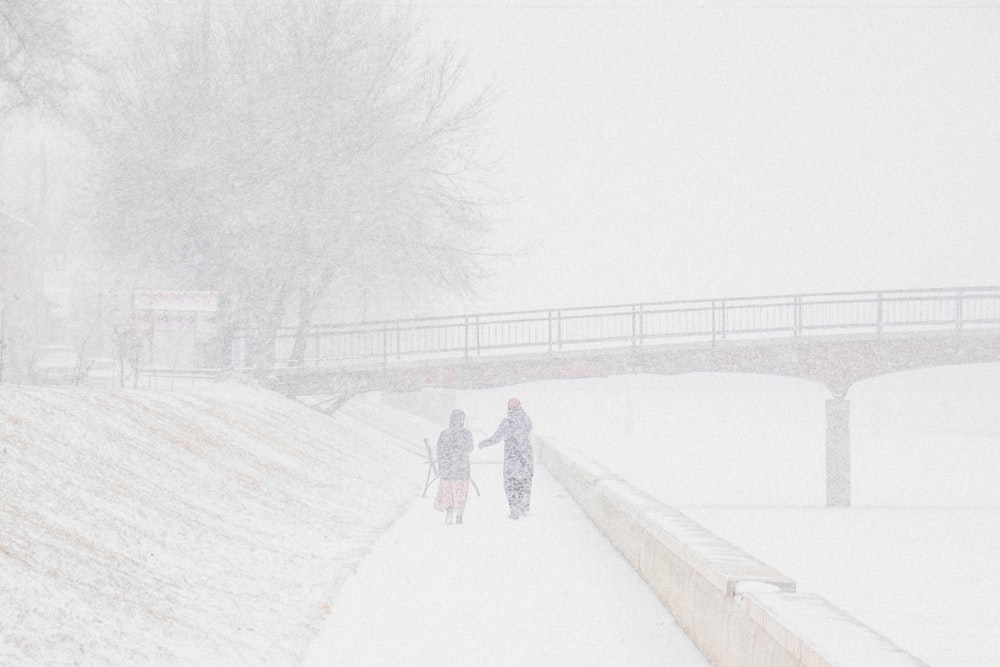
x=836, y=339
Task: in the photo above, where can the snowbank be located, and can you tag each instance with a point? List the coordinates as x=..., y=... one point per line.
x=186, y=528
x=914, y=558
x=736, y=609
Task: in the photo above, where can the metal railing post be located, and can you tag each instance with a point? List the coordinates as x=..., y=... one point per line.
x=466, y=341
x=797, y=317
x=634, y=327
x=878, y=311
x=385, y=344
x=959, y=297
x=550, y=331
x=713, y=322
x=559, y=340
x=642, y=325
x=722, y=314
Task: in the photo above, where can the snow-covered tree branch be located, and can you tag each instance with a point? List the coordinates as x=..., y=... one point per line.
x=303, y=151
x=38, y=52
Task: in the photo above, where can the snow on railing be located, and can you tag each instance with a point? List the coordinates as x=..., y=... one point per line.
x=712, y=320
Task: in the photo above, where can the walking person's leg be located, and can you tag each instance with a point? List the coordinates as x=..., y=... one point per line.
x=519, y=487
x=526, y=498
x=444, y=501
x=510, y=489
x=461, y=497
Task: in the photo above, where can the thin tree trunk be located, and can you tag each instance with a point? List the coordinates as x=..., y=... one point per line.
x=309, y=300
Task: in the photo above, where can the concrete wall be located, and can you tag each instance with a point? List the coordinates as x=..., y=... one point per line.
x=738, y=611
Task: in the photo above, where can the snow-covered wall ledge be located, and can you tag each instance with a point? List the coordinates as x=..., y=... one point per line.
x=738, y=610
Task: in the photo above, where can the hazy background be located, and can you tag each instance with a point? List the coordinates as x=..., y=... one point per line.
x=669, y=150
x=647, y=151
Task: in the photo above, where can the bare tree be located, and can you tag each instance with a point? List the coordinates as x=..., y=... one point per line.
x=42, y=61
x=38, y=53
x=305, y=149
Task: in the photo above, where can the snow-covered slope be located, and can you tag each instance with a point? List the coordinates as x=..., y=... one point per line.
x=185, y=528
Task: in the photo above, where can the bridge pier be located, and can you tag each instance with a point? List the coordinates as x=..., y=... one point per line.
x=838, y=452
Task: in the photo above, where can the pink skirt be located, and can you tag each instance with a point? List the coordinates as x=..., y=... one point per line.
x=452, y=493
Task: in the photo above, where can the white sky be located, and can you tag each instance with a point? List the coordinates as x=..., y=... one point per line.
x=665, y=150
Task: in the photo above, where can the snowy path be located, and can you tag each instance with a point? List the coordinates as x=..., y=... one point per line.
x=543, y=590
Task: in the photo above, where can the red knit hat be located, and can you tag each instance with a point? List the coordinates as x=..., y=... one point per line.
x=513, y=403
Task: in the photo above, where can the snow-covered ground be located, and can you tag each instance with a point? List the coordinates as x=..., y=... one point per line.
x=179, y=528
x=192, y=528
x=914, y=558
x=547, y=589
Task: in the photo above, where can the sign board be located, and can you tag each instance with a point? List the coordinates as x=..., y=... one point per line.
x=175, y=310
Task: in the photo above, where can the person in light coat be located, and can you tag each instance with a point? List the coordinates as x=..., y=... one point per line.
x=518, y=457
x=453, y=448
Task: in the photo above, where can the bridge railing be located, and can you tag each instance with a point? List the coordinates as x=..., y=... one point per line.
x=712, y=320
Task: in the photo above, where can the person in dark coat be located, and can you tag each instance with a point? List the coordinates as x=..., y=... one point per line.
x=453, y=448
x=518, y=457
